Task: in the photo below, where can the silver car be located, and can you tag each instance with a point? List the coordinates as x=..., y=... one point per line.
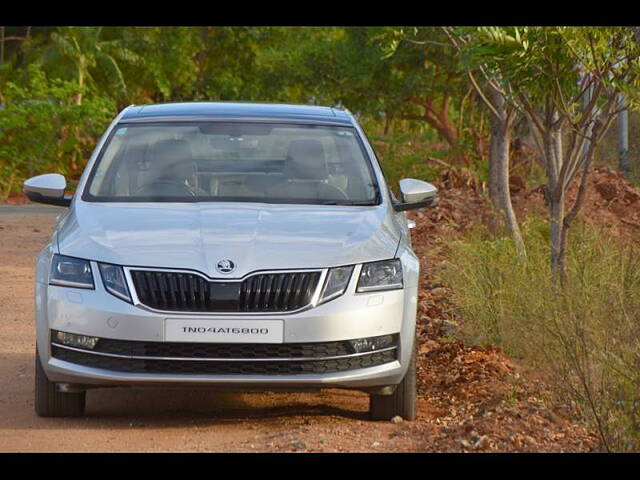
x=234, y=246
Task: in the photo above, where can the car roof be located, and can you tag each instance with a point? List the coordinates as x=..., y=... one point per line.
x=236, y=111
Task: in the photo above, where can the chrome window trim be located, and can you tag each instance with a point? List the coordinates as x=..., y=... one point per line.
x=136, y=301
x=271, y=359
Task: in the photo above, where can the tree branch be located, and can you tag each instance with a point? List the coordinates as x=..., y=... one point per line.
x=573, y=213
x=482, y=95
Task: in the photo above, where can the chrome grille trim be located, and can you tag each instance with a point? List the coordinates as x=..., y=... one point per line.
x=137, y=302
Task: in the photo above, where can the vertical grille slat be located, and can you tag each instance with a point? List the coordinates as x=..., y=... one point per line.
x=202, y=301
x=276, y=291
x=152, y=287
x=305, y=285
x=255, y=293
x=295, y=291
x=172, y=290
x=182, y=290
x=260, y=292
x=287, y=292
x=267, y=293
x=162, y=284
x=243, y=296
x=248, y=287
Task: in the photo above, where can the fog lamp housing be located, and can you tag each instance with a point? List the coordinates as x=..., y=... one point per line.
x=74, y=340
x=371, y=344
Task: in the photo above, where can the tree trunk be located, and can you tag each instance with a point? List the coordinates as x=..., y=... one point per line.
x=501, y=140
x=500, y=146
x=78, y=98
x=437, y=117
x=556, y=205
x=387, y=123
x=494, y=194
x=558, y=237
x=78, y=101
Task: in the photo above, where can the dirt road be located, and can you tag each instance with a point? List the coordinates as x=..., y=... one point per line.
x=332, y=420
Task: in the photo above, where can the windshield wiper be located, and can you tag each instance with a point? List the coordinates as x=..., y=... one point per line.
x=347, y=203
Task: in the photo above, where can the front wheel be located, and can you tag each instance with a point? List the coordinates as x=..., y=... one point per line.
x=51, y=403
x=402, y=402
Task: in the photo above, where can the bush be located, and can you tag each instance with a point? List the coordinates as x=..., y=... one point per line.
x=42, y=129
x=585, y=335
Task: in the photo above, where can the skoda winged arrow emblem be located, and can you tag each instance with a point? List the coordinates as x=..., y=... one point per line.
x=225, y=266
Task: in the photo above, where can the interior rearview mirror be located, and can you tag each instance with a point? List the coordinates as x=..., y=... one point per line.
x=48, y=188
x=415, y=194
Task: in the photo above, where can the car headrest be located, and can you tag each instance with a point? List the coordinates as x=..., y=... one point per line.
x=171, y=159
x=306, y=161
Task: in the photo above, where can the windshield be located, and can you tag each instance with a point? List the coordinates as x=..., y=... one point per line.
x=251, y=162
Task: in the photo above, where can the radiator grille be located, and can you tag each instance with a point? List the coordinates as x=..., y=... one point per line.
x=267, y=292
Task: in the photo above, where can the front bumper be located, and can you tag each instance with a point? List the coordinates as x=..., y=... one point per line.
x=351, y=316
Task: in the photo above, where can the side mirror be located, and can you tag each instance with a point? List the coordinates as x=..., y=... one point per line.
x=415, y=194
x=48, y=188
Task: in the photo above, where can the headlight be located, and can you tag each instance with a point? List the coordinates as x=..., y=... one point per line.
x=114, y=280
x=385, y=275
x=70, y=272
x=336, y=283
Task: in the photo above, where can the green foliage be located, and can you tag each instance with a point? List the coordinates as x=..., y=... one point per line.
x=585, y=336
x=405, y=156
x=168, y=69
x=381, y=74
x=41, y=127
x=205, y=63
x=82, y=54
x=542, y=64
x=384, y=73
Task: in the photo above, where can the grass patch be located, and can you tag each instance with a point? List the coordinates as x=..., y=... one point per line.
x=585, y=336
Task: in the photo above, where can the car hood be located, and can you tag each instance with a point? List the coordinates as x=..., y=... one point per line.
x=254, y=236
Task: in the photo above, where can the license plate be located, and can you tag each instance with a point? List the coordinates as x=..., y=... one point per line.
x=223, y=331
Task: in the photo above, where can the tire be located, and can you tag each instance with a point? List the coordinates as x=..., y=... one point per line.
x=402, y=402
x=51, y=403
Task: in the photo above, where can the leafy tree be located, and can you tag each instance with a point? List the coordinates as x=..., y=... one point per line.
x=167, y=70
x=385, y=73
x=41, y=127
x=502, y=117
x=425, y=75
x=567, y=80
x=94, y=59
x=232, y=67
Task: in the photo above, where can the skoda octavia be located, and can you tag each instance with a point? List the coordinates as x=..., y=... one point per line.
x=234, y=246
